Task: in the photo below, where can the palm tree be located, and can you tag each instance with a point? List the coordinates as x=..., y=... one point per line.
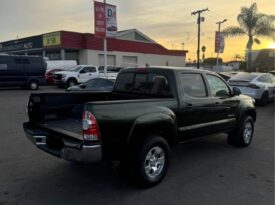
x=238, y=57
x=254, y=25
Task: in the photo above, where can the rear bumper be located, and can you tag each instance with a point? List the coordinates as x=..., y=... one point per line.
x=71, y=151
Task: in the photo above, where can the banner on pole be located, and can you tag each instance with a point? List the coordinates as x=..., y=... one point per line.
x=111, y=21
x=219, y=42
x=105, y=19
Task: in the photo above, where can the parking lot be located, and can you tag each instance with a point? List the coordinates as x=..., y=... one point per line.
x=205, y=171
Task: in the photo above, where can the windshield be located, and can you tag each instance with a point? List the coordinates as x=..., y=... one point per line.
x=76, y=68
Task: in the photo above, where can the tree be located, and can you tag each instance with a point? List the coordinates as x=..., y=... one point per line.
x=254, y=25
x=238, y=57
x=212, y=61
x=203, y=49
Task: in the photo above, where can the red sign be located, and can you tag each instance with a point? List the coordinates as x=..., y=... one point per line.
x=100, y=19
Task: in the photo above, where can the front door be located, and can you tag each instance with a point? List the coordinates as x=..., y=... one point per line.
x=87, y=73
x=202, y=113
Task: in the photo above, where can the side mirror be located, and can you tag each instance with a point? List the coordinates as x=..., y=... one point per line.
x=222, y=93
x=236, y=91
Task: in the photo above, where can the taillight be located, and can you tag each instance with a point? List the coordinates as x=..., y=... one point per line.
x=90, y=127
x=253, y=86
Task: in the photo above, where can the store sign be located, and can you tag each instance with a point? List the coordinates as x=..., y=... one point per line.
x=219, y=42
x=52, y=39
x=105, y=19
x=21, y=44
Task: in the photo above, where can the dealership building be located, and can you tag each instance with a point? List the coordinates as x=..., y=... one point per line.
x=129, y=48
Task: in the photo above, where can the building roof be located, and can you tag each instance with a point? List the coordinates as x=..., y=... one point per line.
x=130, y=40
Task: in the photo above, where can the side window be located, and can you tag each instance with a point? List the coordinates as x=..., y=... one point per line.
x=140, y=84
x=157, y=84
x=82, y=71
x=17, y=61
x=263, y=79
x=21, y=61
x=124, y=82
x=193, y=85
x=25, y=61
x=217, y=87
x=90, y=69
x=269, y=78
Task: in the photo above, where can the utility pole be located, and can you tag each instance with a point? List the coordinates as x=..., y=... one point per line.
x=219, y=31
x=199, y=20
x=105, y=46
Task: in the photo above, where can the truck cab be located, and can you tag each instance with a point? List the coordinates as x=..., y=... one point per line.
x=76, y=75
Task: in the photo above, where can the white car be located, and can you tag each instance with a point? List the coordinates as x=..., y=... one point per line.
x=260, y=86
x=76, y=75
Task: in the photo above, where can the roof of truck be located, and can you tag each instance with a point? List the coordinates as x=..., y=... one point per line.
x=175, y=69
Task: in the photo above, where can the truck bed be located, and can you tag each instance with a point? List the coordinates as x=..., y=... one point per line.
x=71, y=127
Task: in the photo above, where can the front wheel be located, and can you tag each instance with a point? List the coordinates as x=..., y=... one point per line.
x=151, y=160
x=242, y=136
x=33, y=85
x=71, y=82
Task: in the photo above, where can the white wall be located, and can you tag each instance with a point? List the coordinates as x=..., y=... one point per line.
x=91, y=57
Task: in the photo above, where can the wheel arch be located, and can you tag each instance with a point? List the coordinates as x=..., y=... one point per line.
x=249, y=112
x=72, y=78
x=160, y=124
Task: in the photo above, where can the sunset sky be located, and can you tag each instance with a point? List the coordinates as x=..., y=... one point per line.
x=168, y=22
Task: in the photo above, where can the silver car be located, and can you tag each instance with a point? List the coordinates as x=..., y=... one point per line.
x=260, y=86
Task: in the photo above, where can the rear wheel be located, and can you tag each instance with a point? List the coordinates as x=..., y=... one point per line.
x=33, y=85
x=150, y=160
x=265, y=98
x=242, y=136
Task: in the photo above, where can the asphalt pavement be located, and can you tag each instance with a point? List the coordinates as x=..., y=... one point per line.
x=205, y=171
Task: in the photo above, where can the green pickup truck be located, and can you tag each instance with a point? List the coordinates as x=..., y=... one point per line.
x=149, y=111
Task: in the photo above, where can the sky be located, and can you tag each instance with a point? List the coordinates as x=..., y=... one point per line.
x=168, y=22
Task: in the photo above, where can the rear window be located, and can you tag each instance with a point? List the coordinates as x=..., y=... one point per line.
x=244, y=76
x=143, y=83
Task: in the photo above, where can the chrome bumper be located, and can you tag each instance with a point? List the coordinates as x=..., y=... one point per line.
x=70, y=151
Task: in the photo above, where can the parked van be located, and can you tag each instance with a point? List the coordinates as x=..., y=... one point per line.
x=23, y=71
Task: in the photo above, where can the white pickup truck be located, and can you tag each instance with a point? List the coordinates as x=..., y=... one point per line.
x=78, y=74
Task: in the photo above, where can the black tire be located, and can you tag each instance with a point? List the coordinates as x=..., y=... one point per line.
x=264, y=99
x=71, y=82
x=243, y=134
x=151, y=159
x=33, y=85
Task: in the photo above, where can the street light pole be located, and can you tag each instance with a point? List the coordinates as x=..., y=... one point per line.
x=219, y=31
x=105, y=45
x=199, y=20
